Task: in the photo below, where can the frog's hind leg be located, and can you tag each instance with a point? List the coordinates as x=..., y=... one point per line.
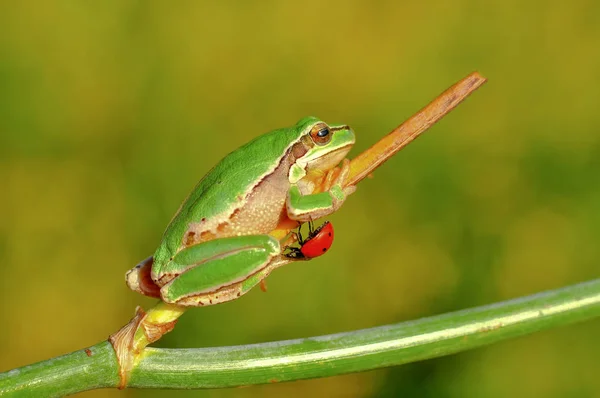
x=208, y=273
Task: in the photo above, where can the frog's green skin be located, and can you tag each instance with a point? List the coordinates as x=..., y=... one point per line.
x=218, y=245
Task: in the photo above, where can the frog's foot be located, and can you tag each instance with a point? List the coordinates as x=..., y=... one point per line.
x=131, y=339
x=341, y=179
x=336, y=185
x=139, y=279
x=326, y=198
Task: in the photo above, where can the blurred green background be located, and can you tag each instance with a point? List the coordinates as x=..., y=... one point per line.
x=111, y=111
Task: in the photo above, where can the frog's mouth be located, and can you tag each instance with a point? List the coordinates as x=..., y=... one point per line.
x=329, y=160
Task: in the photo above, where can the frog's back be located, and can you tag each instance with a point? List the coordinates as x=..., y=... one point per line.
x=224, y=189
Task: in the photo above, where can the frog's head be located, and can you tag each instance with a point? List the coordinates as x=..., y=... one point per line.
x=325, y=146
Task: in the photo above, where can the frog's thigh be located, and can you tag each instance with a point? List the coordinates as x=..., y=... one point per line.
x=208, y=266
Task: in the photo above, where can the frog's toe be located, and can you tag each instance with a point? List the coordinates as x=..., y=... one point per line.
x=139, y=280
x=342, y=177
x=349, y=190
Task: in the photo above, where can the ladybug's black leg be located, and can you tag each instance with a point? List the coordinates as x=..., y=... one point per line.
x=311, y=228
x=299, y=234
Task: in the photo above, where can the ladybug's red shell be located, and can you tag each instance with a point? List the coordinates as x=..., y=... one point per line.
x=318, y=242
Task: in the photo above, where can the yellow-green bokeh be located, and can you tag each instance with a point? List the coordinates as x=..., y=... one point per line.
x=111, y=111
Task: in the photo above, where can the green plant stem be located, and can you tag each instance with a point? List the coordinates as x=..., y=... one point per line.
x=312, y=357
x=67, y=374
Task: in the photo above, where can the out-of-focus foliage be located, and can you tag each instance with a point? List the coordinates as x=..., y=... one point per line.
x=111, y=111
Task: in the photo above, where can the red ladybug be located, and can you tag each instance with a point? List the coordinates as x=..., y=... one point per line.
x=315, y=245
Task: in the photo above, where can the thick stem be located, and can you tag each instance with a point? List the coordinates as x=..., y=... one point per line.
x=365, y=349
x=87, y=369
x=311, y=357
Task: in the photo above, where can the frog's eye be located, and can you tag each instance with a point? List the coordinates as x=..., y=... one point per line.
x=320, y=134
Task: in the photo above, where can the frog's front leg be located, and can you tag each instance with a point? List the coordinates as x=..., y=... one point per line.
x=306, y=207
x=218, y=270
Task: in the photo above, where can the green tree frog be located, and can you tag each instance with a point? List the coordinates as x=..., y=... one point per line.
x=225, y=237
